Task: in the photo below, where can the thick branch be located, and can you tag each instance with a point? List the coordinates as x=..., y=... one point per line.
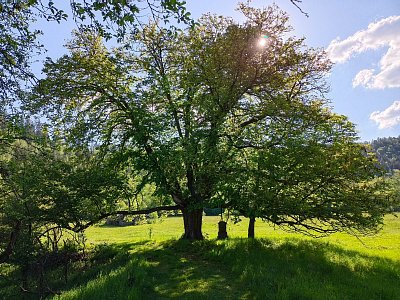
x=82, y=227
x=296, y=224
x=252, y=120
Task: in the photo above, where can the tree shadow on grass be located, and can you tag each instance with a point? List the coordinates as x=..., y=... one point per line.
x=298, y=269
x=101, y=260
x=248, y=269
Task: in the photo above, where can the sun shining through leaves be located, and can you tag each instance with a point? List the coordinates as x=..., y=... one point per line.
x=263, y=40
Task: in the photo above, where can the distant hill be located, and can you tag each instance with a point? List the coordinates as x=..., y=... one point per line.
x=387, y=150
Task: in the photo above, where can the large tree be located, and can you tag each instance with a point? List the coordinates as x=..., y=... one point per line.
x=183, y=106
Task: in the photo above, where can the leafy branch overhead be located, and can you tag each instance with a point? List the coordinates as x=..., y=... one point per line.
x=19, y=42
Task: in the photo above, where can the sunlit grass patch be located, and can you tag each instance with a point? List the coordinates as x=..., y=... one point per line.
x=385, y=244
x=277, y=265
x=246, y=269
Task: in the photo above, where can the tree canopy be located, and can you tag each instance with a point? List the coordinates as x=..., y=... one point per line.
x=214, y=113
x=207, y=112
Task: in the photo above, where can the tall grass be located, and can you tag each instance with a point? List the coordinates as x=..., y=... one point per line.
x=278, y=265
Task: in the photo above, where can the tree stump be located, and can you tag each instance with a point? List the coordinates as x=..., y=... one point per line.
x=222, y=233
x=250, y=231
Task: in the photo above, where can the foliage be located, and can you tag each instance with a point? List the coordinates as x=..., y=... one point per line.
x=324, y=183
x=46, y=195
x=388, y=152
x=183, y=106
x=56, y=188
x=206, y=115
x=19, y=43
x=67, y=268
x=17, y=46
x=394, y=187
x=121, y=17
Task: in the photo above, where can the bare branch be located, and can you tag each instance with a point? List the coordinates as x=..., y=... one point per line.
x=295, y=3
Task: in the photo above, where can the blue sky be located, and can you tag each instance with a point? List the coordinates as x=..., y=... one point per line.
x=362, y=38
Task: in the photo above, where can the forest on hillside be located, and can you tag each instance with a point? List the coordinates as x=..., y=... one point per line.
x=387, y=150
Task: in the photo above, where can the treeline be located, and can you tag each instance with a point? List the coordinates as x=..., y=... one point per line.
x=387, y=150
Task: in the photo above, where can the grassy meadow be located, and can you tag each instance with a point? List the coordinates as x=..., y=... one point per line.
x=150, y=262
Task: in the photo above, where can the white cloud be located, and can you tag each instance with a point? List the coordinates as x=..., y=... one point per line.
x=389, y=117
x=384, y=33
x=363, y=77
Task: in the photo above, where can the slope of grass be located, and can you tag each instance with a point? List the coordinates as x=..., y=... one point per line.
x=279, y=265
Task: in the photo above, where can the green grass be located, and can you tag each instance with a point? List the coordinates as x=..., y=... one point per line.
x=277, y=265
x=385, y=244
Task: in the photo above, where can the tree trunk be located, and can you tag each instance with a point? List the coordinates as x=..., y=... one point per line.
x=250, y=231
x=5, y=255
x=192, y=221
